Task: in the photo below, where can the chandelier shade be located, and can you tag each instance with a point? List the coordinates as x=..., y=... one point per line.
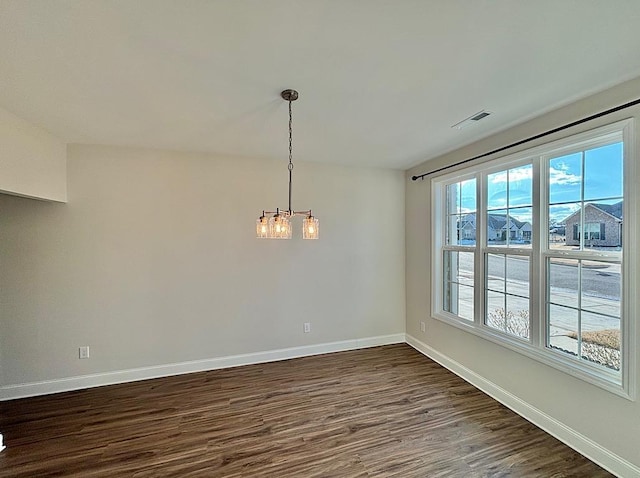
x=280, y=226
x=277, y=224
x=262, y=227
x=310, y=228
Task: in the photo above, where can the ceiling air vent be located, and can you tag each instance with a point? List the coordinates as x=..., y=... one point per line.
x=471, y=119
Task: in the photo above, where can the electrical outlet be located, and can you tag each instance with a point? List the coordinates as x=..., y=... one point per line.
x=83, y=352
x=306, y=327
x=423, y=326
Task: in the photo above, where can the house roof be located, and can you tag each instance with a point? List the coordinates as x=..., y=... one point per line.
x=496, y=221
x=614, y=210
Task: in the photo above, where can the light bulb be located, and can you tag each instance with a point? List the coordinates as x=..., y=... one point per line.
x=279, y=227
x=262, y=227
x=310, y=228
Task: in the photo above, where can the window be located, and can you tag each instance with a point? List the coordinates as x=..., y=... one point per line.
x=458, y=253
x=530, y=253
x=506, y=259
x=592, y=231
x=583, y=291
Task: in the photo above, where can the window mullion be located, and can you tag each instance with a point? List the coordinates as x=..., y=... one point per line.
x=581, y=226
x=580, y=308
x=481, y=242
x=629, y=274
x=537, y=283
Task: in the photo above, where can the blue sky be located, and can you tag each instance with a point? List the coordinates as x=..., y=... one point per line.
x=600, y=176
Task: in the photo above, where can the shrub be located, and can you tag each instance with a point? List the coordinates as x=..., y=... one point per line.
x=601, y=346
x=603, y=355
x=515, y=324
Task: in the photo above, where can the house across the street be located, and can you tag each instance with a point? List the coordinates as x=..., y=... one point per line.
x=498, y=226
x=602, y=225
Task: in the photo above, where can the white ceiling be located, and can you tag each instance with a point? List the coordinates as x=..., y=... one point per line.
x=381, y=82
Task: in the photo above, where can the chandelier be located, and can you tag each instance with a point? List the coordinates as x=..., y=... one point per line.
x=278, y=225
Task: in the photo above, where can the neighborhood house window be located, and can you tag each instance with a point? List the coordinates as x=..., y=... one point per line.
x=592, y=231
x=503, y=271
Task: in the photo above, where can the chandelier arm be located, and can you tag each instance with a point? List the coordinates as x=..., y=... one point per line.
x=306, y=212
x=277, y=211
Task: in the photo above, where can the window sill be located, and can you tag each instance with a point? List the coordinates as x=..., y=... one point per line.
x=610, y=382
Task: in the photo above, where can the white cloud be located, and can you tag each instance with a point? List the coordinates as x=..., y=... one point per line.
x=560, y=213
x=517, y=174
x=561, y=175
x=499, y=177
x=498, y=200
x=520, y=174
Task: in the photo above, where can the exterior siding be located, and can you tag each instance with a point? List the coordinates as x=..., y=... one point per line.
x=610, y=227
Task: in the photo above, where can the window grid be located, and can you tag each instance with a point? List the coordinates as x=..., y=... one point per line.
x=454, y=292
x=505, y=319
x=539, y=255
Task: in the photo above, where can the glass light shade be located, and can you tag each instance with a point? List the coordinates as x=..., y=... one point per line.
x=310, y=228
x=280, y=227
x=262, y=228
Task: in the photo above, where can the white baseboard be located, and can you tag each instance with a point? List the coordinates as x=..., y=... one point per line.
x=583, y=445
x=22, y=390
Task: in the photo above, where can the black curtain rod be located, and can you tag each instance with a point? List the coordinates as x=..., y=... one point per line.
x=532, y=138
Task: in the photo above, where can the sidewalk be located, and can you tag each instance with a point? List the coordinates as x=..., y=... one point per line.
x=563, y=319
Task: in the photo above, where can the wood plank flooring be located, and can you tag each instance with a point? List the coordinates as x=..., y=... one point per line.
x=379, y=412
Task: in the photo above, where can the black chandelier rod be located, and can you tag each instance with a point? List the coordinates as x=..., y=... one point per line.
x=532, y=138
x=290, y=166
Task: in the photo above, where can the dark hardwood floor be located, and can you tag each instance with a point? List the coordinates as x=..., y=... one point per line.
x=384, y=411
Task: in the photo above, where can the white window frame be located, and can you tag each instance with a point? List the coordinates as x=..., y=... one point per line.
x=457, y=247
x=622, y=383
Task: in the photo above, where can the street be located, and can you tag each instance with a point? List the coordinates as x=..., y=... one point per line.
x=598, y=280
x=599, y=304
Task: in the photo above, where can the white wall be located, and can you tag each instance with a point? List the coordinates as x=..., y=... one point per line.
x=32, y=161
x=607, y=419
x=154, y=261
